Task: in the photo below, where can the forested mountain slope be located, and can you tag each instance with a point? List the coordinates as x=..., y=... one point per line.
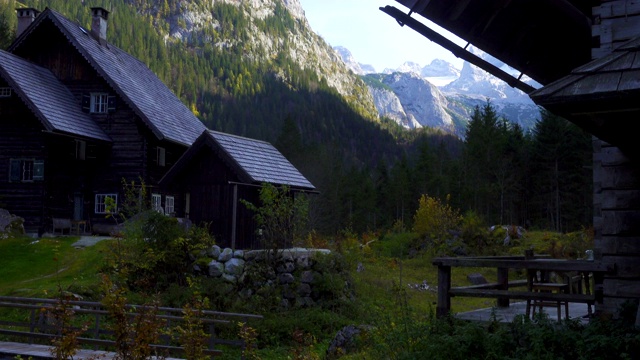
x=254, y=68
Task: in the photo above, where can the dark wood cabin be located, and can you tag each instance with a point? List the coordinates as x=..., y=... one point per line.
x=218, y=171
x=586, y=56
x=77, y=116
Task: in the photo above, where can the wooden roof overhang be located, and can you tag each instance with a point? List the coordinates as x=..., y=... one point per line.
x=544, y=39
x=601, y=96
x=549, y=41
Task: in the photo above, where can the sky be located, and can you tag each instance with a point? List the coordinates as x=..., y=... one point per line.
x=372, y=36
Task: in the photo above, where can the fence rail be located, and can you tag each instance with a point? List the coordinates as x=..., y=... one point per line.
x=33, y=322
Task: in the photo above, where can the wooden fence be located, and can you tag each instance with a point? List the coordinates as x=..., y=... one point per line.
x=30, y=320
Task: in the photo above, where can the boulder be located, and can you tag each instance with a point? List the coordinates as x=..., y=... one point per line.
x=345, y=341
x=10, y=223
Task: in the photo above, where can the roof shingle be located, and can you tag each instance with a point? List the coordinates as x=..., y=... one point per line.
x=159, y=108
x=48, y=98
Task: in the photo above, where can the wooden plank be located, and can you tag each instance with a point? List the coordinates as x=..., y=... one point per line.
x=539, y=264
x=524, y=295
x=616, y=245
x=612, y=156
x=620, y=8
x=444, y=284
x=495, y=286
x=621, y=199
x=622, y=288
x=621, y=222
x=616, y=29
x=626, y=266
x=503, y=283
x=619, y=177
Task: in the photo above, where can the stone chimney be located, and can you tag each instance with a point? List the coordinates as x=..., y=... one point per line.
x=25, y=18
x=99, y=23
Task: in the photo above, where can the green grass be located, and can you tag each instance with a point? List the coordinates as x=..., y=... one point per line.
x=35, y=267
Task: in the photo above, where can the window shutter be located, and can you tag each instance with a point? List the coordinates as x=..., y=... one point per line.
x=111, y=104
x=15, y=170
x=38, y=170
x=86, y=102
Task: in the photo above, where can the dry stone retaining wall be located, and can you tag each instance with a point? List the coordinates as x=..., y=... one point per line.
x=293, y=270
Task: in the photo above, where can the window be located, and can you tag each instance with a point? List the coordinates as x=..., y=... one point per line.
x=26, y=170
x=98, y=103
x=81, y=149
x=169, y=208
x=161, y=156
x=106, y=203
x=5, y=92
x=156, y=202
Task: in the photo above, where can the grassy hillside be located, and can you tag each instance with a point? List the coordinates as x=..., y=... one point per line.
x=388, y=285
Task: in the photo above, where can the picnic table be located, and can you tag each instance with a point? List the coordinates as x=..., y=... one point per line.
x=502, y=288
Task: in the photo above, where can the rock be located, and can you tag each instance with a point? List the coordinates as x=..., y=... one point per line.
x=345, y=341
x=476, y=279
x=10, y=223
x=230, y=278
x=307, y=277
x=304, y=289
x=226, y=255
x=234, y=267
x=286, y=267
x=214, y=251
x=216, y=268
x=286, y=278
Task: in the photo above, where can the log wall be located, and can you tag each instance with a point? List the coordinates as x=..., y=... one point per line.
x=617, y=224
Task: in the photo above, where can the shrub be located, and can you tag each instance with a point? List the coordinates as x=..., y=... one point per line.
x=434, y=220
x=282, y=216
x=156, y=251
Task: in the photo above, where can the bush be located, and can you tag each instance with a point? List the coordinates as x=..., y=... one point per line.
x=434, y=219
x=156, y=251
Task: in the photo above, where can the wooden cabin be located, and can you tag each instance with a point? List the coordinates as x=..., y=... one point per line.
x=78, y=116
x=217, y=172
x=586, y=56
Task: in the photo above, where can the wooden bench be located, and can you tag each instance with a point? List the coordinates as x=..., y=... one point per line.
x=61, y=224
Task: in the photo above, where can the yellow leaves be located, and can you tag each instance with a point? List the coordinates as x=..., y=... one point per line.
x=435, y=218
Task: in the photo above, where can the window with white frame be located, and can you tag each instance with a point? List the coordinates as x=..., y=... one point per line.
x=5, y=92
x=99, y=103
x=156, y=202
x=106, y=203
x=26, y=170
x=169, y=207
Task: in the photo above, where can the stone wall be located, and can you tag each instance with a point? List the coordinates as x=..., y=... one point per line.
x=298, y=273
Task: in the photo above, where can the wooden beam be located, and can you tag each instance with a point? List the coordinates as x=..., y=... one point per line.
x=404, y=19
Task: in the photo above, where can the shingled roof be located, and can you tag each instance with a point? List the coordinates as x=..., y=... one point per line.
x=600, y=96
x=159, y=108
x=254, y=161
x=51, y=102
x=611, y=76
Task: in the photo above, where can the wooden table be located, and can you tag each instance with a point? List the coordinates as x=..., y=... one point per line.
x=501, y=288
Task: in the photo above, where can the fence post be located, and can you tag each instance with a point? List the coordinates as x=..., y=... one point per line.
x=503, y=284
x=444, y=285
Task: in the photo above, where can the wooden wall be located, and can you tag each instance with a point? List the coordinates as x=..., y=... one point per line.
x=21, y=137
x=207, y=179
x=614, y=22
x=617, y=223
